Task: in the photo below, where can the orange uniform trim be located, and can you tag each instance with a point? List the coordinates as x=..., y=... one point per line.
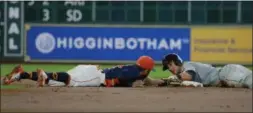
x=111, y=82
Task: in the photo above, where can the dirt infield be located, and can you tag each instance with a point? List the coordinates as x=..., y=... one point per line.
x=49, y=99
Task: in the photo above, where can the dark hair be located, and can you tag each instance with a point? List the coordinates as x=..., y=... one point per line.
x=169, y=58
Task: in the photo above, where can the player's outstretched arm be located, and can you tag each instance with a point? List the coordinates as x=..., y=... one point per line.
x=185, y=76
x=138, y=83
x=152, y=82
x=147, y=82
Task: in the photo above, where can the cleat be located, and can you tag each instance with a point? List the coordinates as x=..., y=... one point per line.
x=41, y=79
x=8, y=79
x=17, y=69
x=5, y=81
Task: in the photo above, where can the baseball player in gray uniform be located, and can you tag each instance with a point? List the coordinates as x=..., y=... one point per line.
x=230, y=75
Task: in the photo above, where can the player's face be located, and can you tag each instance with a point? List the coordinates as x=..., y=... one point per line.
x=173, y=68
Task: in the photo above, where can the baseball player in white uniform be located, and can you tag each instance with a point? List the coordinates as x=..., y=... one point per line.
x=80, y=76
x=230, y=75
x=87, y=75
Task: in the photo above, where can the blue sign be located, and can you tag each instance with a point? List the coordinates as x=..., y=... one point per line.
x=106, y=43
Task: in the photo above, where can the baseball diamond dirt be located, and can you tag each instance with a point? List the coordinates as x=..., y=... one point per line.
x=88, y=99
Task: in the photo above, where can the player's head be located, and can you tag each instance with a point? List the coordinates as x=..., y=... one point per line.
x=172, y=62
x=146, y=63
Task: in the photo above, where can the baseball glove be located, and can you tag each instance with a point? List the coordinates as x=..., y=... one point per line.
x=171, y=81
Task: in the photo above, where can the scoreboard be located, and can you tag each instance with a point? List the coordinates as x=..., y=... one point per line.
x=14, y=15
x=58, y=11
x=12, y=26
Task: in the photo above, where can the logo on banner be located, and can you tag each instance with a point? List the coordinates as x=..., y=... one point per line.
x=45, y=42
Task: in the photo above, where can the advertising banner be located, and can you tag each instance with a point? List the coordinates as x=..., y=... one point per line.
x=105, y=43
x=221, y=45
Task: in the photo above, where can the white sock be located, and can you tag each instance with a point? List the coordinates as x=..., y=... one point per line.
x=16, y=76
x=44, y=74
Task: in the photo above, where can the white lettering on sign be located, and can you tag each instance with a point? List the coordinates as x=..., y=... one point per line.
x=163, y=44
x=117, y=43
x=31, y=3
x=74, y=3
x=151, y=44
x=90, y=43
x=99, y=43
x=108, y=43
x=79, y=43
x=74, y=15
x=45, y=3
x=12, y=45
x=14, y=13
x=46, y=15
x=70, y=43
x=62, y=43
x=142, y=42
x=13, y=29
x=176, y=44
x=13, y=2
x=131, y=43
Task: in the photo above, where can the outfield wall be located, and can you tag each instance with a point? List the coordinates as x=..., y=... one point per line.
x=124, y=44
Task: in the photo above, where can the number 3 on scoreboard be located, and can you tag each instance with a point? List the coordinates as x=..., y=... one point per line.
x=46, y=15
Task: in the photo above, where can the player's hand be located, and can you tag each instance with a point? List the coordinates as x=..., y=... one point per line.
x=172, y=78
x=138, y=83
x=191, y=84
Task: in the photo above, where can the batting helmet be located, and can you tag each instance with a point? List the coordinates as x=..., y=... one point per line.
x=171, y=57
x=145, y=62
